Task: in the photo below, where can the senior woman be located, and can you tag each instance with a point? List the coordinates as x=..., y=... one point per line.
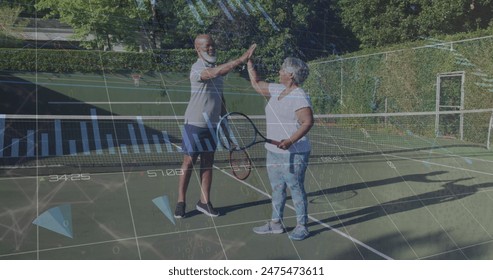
x=289, y=117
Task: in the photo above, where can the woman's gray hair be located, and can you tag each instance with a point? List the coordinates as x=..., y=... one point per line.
x=297, y=67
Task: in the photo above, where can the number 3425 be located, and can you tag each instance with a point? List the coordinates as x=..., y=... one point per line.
x=69, y=177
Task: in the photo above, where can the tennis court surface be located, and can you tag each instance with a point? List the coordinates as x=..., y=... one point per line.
x=91, y=172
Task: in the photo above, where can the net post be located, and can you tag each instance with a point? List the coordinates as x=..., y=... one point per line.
x=489, y=131
x=386, y=110
x=437, y=104
x=136, y=79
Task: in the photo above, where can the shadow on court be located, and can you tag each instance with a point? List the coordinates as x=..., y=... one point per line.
x=20, y=96
x=451, y=191
x=326, y=193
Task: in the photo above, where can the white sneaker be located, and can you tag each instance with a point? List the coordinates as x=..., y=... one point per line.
x=269, y=227
x=299, y=233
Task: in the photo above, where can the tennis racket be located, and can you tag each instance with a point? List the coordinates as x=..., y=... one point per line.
x=237, y=132
x=240, y=163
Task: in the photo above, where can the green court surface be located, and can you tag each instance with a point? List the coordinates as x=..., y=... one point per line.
x=375, y=190
x=360, y=208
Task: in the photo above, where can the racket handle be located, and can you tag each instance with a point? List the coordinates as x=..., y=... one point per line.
x=273, y=142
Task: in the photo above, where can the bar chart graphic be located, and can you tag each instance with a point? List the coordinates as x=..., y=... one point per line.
x=35, y=136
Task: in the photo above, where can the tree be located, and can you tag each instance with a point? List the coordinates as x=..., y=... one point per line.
x=306, y=29
x=324, y=33
x=27, y=7
x=236, y=24
x=176, y=24
x=10, y=23
x=381, y=22
x=101, y=24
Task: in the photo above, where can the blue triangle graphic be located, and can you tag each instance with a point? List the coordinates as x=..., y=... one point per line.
x=162, y=202
x=57, y=219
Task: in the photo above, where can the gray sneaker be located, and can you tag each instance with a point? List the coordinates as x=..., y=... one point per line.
x=299, y=233
x=180, y=210
x=207, y=209
x=269, y=227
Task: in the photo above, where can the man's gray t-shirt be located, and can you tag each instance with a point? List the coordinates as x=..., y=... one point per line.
x=206, y=98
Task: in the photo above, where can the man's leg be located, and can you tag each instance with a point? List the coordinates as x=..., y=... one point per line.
x=204, y=205
x=184, y=180
x=206, y=163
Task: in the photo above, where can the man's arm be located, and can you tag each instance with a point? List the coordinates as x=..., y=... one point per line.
x=223, y=69
x=224, y=111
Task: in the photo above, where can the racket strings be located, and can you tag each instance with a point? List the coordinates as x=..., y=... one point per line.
x=237, y=134
x=241, y=165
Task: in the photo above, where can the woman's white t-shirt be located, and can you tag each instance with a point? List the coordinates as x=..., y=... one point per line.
x=281, y=118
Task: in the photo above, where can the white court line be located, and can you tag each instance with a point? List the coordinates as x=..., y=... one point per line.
x=313, y=219
x=408, y=158
x=123, y=239
x=316, y=220
x=336, y=230
x=328, y=226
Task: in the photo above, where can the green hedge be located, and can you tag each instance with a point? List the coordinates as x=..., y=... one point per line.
x=70, y=61
x=405, y=81
x=7, y=41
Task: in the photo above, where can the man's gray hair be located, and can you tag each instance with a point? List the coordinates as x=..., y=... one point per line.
x=297, y=67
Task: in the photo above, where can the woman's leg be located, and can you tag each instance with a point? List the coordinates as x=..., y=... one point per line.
x=295, y=180
x=275, y=169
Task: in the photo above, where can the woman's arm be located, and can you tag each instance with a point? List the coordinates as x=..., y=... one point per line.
x=305, y=118
x=259, y=86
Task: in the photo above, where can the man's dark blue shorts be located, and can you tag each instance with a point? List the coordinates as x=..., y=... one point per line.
x=197, y=140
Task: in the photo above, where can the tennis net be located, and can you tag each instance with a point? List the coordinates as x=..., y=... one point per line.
x=28, y=141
